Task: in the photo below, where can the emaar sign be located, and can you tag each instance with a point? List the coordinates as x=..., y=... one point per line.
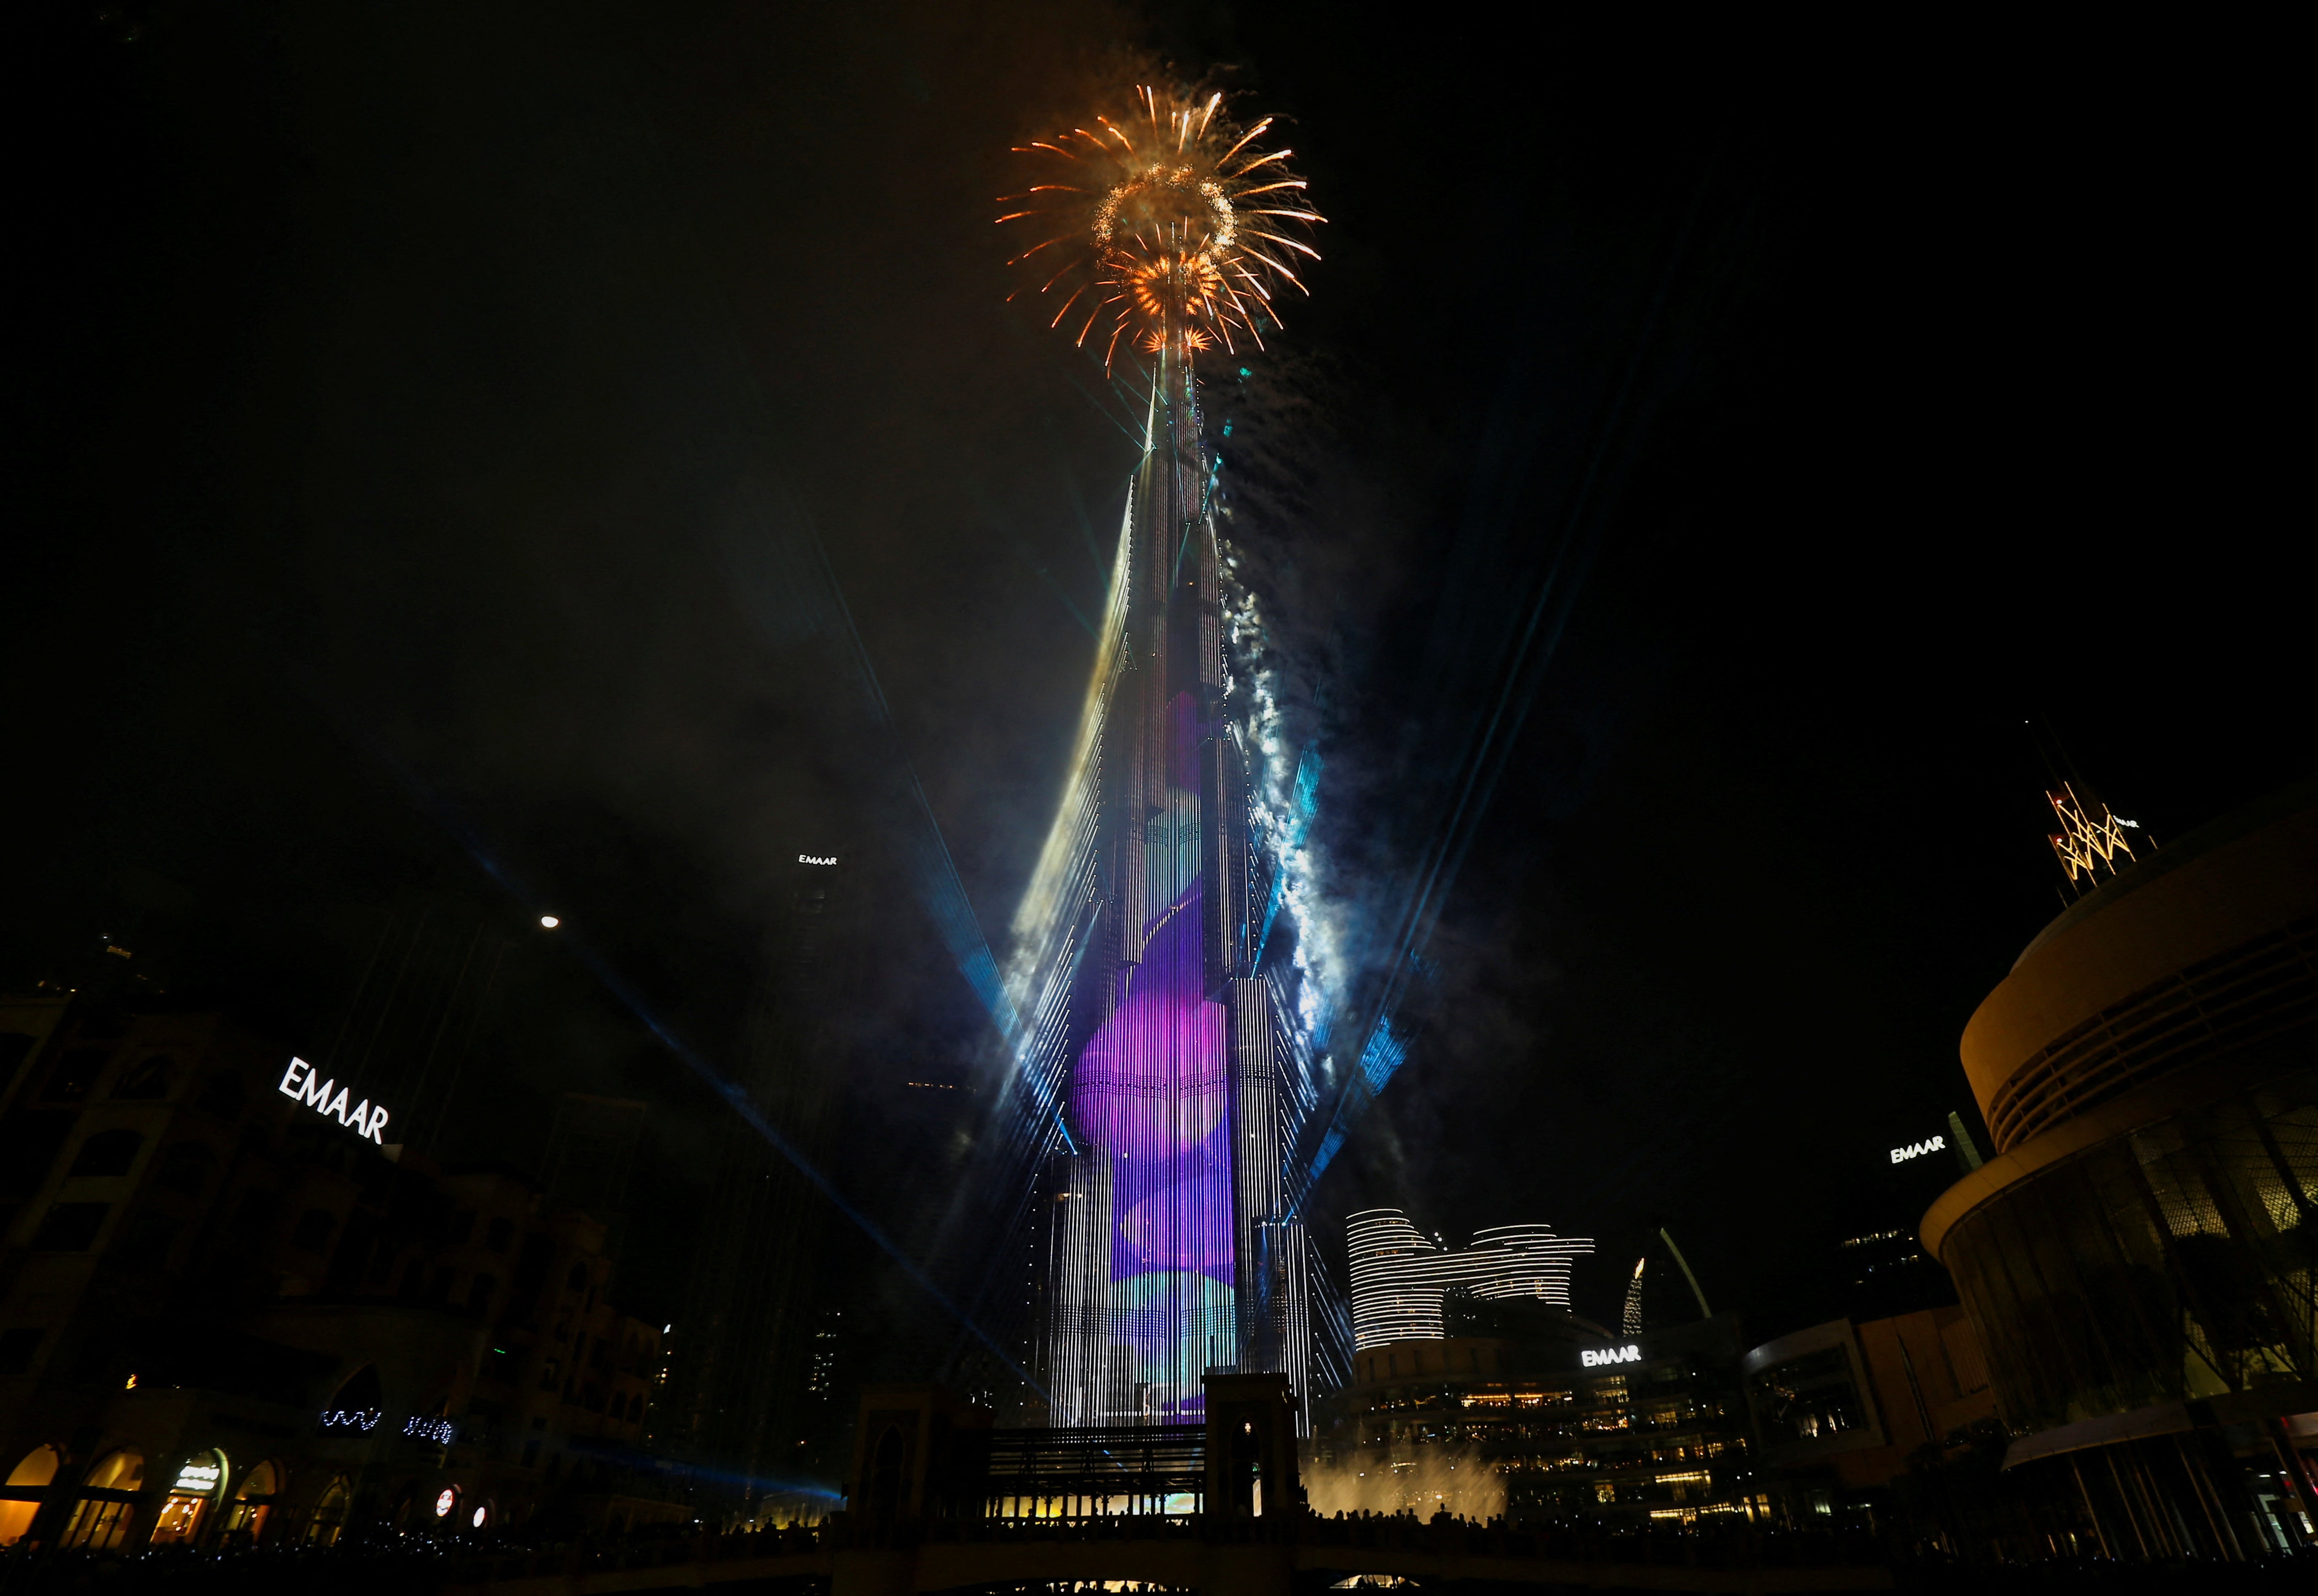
x=1598, y=1358
x=299, y=1081
x=1900, y=1155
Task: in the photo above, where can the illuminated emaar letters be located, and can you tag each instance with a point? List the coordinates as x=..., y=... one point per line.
x=363, y=1119
x=816, y=859
x=1900, y=1155
x=1598, y=1358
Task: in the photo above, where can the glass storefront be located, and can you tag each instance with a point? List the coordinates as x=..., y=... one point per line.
x=2173, y=1263
x=253, y=1501
x=198, y=1483
x=28, y=1483
x=1811, y=1397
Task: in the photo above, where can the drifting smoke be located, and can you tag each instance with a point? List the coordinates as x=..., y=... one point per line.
x=1310, y=569
x=1460, y=1484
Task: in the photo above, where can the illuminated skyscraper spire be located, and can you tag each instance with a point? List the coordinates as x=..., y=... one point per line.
x=2091, y=836
x=1168, y=1253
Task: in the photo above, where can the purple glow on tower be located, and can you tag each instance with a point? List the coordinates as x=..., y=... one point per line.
x=1167, y=1226
x=1152, y=1090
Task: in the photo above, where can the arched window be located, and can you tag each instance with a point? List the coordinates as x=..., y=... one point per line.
x=107, y=1152
x=358, y=1403
x=185, y=1166
x=149, y=1078
x=329, y=1520
x=20, y=1497
x=100, y=1520
x=253, y=1501
x=199, y=1486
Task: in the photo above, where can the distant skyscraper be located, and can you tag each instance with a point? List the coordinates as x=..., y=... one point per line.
x=740, y=1356
x=1400, y=1277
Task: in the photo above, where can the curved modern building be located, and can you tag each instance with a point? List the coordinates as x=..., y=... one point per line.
x=1401, y=1278
x=2139, y=1256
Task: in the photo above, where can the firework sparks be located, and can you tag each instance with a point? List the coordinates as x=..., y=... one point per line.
x=1144, y=232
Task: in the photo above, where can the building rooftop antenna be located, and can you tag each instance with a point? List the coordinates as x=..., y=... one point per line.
x=1666, y=1236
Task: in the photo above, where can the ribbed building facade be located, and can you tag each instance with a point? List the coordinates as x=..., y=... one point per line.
x=2140, y=1257
x=1401, y=1278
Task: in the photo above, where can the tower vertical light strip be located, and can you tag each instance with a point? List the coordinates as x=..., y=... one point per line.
x=1078, y=1341
x=1255, y=1171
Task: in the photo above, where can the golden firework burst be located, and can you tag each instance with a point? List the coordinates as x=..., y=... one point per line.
x=1175, y=227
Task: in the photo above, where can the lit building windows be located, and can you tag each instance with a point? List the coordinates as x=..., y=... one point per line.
x=1658, y=1438
x=100, y=1520
x=199, y=1481
x=330, y=1517
x=253, y=1501
x=20, y=1498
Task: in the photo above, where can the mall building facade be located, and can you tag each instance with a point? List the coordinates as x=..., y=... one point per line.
x=1533, y=1413
x=228, y=1316
x=2138, y=1255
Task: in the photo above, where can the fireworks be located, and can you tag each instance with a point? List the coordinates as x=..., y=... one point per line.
x=1175, y=227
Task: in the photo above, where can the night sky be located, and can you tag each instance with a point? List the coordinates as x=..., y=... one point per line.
x=396, y=394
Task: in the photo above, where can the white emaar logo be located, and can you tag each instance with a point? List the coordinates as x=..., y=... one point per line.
x=1598, y=1358
x=364, y=1120
x=816, y=859
x=1900, y=1155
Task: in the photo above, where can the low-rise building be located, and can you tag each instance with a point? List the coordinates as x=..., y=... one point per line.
x=232, y=1305
x=2139, y=1253
x=1844, y=1408
x=1546, y=1419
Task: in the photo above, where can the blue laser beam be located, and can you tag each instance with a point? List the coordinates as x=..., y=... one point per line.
x=733, y=1096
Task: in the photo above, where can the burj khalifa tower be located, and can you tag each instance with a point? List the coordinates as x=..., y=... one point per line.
x=1157, y=1057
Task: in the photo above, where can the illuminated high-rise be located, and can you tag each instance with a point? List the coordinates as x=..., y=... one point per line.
x=1169, y=1250
x=1153, y=1056
x=739, y=1374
